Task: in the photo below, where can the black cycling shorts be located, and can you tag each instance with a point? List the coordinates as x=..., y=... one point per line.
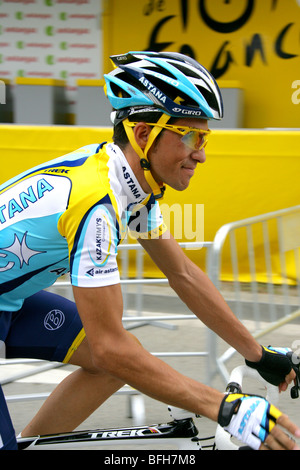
x=47, y=327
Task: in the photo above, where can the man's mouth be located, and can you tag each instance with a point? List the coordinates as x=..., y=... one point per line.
x=190, y=170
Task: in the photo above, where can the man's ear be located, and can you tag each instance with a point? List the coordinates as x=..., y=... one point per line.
x=141, y=134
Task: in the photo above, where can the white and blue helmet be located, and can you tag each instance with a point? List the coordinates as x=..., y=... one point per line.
x=170, y=82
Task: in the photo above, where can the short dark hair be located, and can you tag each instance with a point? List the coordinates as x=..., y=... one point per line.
x=119, y=135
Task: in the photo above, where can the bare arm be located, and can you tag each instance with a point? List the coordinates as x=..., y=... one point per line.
x=200, y=295
x=116, y=351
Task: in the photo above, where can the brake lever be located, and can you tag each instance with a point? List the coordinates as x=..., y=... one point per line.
x=295, y=361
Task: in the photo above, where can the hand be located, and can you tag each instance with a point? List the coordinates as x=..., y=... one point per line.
x=275, y=367
x=288, y=380
x=255, y=422
x=278, y=438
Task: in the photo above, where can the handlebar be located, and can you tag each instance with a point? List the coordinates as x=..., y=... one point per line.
x=235, y=383
x=295, y=361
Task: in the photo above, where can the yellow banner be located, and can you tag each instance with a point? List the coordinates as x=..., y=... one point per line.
x=247, y=173
x=255, y=42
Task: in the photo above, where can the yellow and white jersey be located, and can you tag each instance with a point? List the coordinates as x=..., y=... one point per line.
x=70, y=214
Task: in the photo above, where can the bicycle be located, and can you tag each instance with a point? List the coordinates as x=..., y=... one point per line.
x=181, y=432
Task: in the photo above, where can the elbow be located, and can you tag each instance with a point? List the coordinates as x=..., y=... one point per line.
x=105, y=358
x=181, y=282
x=186, y=282
x=115, y=354
x=119, y=356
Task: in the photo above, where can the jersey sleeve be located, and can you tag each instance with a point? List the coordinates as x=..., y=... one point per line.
x=93, y=258
x=146, y=221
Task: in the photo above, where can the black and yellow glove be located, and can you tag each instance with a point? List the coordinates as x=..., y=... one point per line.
x=274, y=364
x=249, y=418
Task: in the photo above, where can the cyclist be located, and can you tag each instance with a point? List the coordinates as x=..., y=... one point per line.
x=71, y=213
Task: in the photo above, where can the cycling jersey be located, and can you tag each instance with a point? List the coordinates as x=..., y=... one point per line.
x=70, y=214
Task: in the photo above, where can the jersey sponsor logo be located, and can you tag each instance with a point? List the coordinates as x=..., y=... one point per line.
x=130, y=183
x=59, y=171
x=102, y=229
x=21, y=250
x=54, y=320
x=21, y=202
x=97, y=271
x=99, y=236
x=34, y=197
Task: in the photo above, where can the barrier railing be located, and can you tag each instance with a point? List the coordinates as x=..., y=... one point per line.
x=268, y=289
x=266, y=295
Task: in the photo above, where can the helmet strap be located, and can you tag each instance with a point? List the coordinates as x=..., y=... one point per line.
x=157, y=189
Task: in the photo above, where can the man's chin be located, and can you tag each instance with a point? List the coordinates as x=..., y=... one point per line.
x=180, y=187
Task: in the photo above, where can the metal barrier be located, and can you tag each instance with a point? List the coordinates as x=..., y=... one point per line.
x=263, y=296
x=270, y=292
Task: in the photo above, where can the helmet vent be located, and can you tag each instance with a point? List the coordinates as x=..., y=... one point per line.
x=118, y=91
x=209, y=97
x=160, y=70
x=185, y=70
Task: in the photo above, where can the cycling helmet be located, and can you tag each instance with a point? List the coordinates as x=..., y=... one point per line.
x=169, y=82
x=158, y=79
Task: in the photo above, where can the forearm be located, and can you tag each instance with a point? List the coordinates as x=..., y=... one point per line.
x=200, y=295
x=203, y=299
x=134, y=365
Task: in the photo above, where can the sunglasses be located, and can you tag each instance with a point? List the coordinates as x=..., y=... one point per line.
x=192, y=137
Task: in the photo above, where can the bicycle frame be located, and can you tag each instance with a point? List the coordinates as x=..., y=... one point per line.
x=181, y=433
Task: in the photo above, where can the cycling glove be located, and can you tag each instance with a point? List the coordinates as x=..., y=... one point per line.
x=249, y=418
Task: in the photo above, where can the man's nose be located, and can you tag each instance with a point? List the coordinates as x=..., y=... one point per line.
x=199, y=155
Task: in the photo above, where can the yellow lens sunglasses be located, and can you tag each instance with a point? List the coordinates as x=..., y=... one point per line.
x=192, y=137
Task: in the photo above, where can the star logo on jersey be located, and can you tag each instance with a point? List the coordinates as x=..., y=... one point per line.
x=19, y=249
